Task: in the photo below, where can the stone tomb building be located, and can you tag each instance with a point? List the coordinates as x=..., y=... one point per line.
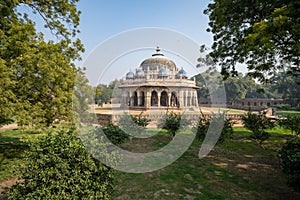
x=158, y=84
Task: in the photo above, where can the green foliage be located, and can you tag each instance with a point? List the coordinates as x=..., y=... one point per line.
x=262, y=34
x=204, y=123
x=257, y=123
x=37, y=76
x=115, y=134
x=59, y=167
x=292, y=122
x=290, y=162
x=133, y=124
x=83, y=95
x=237, y=87
x=140, y=120
x=172, y=122
x=287, y=86
x=103, y=94
x=283, y=106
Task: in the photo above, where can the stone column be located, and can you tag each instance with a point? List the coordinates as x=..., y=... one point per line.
x=147, y=99
x=180, y=98
x=186, y=98
x=123, y=99
x=196, y=98
x=130, y=99
x=191, y=98
x=138, y=98
x=158, y=99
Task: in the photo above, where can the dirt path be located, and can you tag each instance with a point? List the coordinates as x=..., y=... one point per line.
x=8, y=127
x=4, y=185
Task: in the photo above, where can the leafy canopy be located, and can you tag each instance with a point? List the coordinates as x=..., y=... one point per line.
x=37, y=76
x=263, y=34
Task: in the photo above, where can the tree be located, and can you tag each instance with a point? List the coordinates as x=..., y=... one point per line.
x=133, y=125
x=103, y=94
x=287, y=87
x=204, y=123
x=263, y=34
x=83, y=96
x=235, y=88
x=258, y=123
x=172, y=122
x=292, y=122
x=38, y=75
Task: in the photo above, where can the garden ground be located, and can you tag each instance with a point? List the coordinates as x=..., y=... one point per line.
x=237, y=169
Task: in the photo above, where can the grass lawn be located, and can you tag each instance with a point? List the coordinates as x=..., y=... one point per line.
x=13, y=143
x=284, y=113
x=237, y=169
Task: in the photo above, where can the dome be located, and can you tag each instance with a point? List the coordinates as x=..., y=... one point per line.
x=181, y=73
x=130, y=75
x=140, y=73
x=158, y=60
x=163, y=72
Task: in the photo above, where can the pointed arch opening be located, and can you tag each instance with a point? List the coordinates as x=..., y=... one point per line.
x=164, y=99
x=135, y=99
x=174, y=100
x=128, y=99
x=142, y=99
x=154, y=98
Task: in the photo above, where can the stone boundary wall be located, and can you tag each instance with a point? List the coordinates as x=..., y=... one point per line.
x=104, y=119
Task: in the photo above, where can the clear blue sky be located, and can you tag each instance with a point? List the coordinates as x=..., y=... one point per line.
x=102, y=19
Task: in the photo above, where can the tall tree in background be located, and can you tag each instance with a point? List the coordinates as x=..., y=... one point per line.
x=263, y=34
x=286, y=86
x=37, y=76
x=238, y=87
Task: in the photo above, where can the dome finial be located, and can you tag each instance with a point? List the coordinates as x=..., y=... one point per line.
x=157, y=53
x=157, y=49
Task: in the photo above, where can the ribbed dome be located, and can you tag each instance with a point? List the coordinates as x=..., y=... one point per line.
x=163, y=72
x=158, y=60
x=182, y=72
x=130, y=75
x=139, y=73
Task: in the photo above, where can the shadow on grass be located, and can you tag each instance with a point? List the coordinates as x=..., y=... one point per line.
x=11, y=154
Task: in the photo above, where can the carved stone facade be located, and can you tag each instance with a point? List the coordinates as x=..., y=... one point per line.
x=158, y=84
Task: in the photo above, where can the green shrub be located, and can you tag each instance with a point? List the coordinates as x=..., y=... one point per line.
x=140, y=120
x=115, y=134
x=59, y=167
x=257, y=123
x=283, y=106
x=204, y=123
x=292, y=122
x=290, y=162
x=172, y=122
x=202, y=127
x=133, y=124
